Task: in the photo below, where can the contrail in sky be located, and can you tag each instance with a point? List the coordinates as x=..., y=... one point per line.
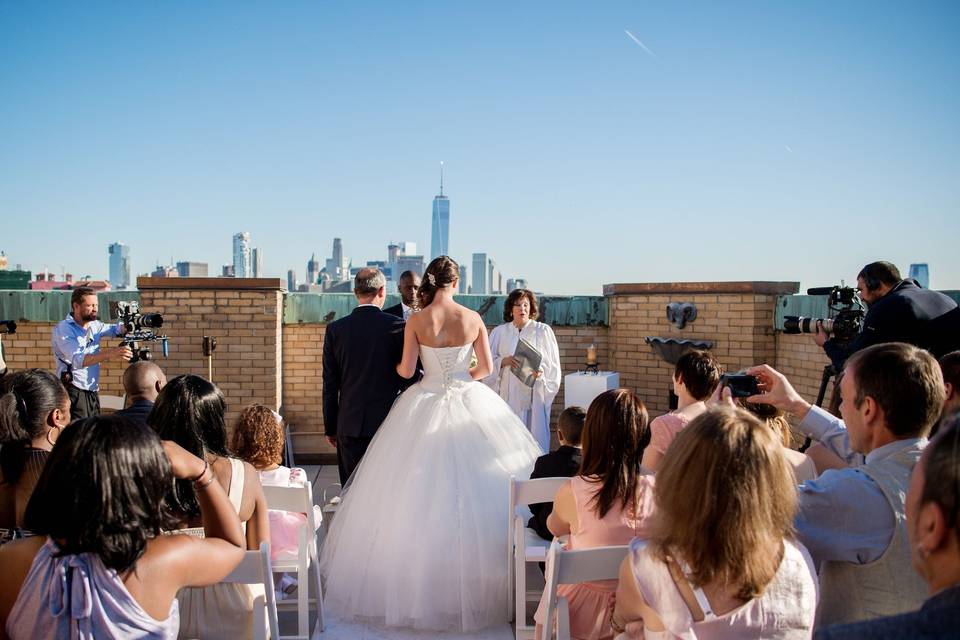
x=637, y=40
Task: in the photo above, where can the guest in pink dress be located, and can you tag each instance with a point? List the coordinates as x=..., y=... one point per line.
x=608, y=503
x=695, y=376
x=721, y=561
x=258, y=439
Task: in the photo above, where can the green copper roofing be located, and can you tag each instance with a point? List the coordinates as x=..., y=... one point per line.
x=554, y=310
x=52, y=306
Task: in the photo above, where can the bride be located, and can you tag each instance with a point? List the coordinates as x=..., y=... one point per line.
x=419, y=540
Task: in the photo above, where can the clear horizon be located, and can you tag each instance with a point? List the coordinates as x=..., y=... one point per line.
x=581, y=145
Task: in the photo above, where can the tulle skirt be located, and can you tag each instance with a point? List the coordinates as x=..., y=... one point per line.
x=420, y=539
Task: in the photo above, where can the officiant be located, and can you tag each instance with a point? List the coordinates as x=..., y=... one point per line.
x=531, y=404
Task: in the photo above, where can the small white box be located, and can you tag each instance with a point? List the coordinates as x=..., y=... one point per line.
x=579, y=389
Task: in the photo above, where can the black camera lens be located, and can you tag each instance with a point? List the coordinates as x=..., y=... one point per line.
x=150, y=320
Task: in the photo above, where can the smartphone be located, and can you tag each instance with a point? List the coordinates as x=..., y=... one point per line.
x=741, y=385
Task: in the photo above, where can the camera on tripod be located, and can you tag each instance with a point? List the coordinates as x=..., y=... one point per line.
x=140, y=329
x=845, y=318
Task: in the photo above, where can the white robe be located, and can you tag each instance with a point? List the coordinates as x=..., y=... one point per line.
x=533, y=409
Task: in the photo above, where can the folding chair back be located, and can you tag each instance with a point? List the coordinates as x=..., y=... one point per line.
x=523, y=544
x=299, y=499
x=113, y=403
x=571, y=567
x=255, y=569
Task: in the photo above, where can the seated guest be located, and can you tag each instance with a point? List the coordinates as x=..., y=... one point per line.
x=933, y=528
x=853, y=519
x=142, y=382
x=803, y=467
x=191, y=412
x=562, y=463
x=695, y=376
x=101, y=569
x=950, y=368
x=34, y=408
x=608, y=503
x=721, y=561
x=258, y=439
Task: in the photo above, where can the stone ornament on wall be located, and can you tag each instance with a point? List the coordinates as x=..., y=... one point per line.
x=680, y=313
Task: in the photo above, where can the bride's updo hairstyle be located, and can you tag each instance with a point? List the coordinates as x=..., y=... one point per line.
x=441, y=272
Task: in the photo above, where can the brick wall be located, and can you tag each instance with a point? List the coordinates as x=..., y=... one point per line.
x=737, y=317
x=802, y=361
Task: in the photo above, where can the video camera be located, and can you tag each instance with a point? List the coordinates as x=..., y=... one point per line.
x=140, y=328
x=845, y=318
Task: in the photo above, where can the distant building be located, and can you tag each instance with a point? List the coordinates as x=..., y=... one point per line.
x=515, y=283
x=242, y=255
x=291, y=280
x=165, y=272
x=921, y=273
x=257, y=262
x=15, y=279
x=409, y=263
x=46, y=282
x=119, y=265
x=464, y=285
x=482, y=274
x=440, y=224
x=227, y=271
x=313, y=269
x=192, y=269
x=338, y=266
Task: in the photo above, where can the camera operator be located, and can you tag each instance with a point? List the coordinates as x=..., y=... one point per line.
x=76, y=349
x=898, y=310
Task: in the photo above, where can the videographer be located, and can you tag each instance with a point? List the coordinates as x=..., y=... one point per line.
x=76, y=349
x=898, y=310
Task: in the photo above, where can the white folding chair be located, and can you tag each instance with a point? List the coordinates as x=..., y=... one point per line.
x=306, y=565
x=255, y=569
x=114, y=403
x=524, y=545
x=330, y=506
x=571, y=567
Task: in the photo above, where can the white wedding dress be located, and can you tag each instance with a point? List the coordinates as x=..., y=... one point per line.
x=420, y=539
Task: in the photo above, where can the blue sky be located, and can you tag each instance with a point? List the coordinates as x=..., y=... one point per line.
x=751, y=141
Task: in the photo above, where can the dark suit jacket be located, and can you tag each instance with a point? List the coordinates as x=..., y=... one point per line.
x=137, y=412
x=562, y=463
x=908, y=313
x=360, y=381
x=939, y=617
x=395, y=310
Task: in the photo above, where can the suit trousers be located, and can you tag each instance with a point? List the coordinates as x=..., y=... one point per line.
x=83, y=404
x=350, y=450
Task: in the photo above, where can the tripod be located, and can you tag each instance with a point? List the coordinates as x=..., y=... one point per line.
x=829, y=372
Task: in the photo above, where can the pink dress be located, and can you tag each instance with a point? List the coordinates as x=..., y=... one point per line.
x=591, y=603
x=285, y=525
x=663, y=430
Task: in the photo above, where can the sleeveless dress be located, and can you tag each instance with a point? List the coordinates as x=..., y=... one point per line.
x=419, y=540
x=591, y=603
x=220, y=610
x=785, y=610
x=77, y=597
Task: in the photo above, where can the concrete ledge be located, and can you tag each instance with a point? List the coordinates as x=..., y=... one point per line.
x=218, y=284
x=677, y=288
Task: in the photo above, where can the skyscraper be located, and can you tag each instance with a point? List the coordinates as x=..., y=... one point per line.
x=291, y=280
x=338, y=266
x=192, y=269
x=921, y=273
x=440, y=228
x=119, y=265
x=482, y=267
x=313, y=269
x=242, y=263
x=464, y=286
x=257, y=262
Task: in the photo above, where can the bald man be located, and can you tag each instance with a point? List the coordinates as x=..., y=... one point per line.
x=142, y=382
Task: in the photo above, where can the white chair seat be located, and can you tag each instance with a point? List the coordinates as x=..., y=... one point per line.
x=536, y=547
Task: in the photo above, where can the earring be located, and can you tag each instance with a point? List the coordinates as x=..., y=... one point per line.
x=53, y=442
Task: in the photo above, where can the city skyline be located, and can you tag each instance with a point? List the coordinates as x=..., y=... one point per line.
x=790, y=141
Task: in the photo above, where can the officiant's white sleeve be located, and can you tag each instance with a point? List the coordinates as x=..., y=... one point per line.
x=551, y=362
x=493, y=380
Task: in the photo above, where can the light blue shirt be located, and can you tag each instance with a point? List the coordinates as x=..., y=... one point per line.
x=843, y=514
x=72, y=343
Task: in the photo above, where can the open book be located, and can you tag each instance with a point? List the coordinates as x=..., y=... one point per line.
x=530, y=360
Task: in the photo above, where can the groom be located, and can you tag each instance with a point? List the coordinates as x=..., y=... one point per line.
x=360, y=382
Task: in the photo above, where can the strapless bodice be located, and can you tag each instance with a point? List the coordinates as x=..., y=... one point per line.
x=445, y=367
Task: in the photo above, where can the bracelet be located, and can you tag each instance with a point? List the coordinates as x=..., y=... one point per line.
x=197, y=484
x=206, y=465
